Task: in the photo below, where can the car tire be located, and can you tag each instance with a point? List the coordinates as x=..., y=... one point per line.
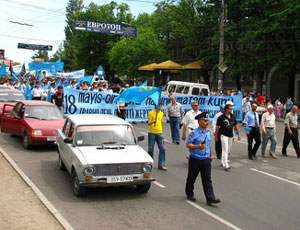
x=78, y=190
x=26, y=144
x=143, y=188
x=61, y=164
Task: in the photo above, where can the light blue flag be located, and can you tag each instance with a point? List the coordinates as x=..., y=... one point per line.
x=88, y=79
x=137, y=94
x=41, y=76
x=14, y=77
x=58, y=83
x=145, y=83
x=2, y=69
x=47, y=85
x=20, y=87
x=27, y=92
x=100, y=72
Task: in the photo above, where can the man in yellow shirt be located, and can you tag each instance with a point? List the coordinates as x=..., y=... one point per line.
x=155, y=118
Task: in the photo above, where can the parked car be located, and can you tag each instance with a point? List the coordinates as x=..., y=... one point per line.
x=102, y=151
x=9, y=97
x=35, y=121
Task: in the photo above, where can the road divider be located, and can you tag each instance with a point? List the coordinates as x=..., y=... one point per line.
x=220, y=219
x=276, y=177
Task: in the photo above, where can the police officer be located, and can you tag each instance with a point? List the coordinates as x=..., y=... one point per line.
x=200, y=157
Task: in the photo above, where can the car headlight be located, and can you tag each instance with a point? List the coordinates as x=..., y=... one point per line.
x=89, y=171
x=36, y=133
x=147, y=168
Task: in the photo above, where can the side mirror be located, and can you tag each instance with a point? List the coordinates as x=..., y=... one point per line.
x=68, y=140
x=140, y=138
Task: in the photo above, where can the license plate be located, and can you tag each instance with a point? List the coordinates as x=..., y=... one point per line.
x=117, y=179
x=51, y=138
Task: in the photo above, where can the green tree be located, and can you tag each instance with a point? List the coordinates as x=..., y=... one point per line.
x=130, y=53
x=41, y=54
x=73, y=7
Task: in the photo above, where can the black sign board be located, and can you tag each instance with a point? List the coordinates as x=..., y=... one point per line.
x=34, y=47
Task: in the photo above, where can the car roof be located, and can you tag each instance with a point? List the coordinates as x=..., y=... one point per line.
x=36, y=102
x=10, y=91
x=186, y=83
x=96, y=119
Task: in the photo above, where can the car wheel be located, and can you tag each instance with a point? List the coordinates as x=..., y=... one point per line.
x=61, y=164
x=143, y=188
x=26, y=144
x=77, y=189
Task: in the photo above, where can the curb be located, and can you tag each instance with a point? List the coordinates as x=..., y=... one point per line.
x=64, y=223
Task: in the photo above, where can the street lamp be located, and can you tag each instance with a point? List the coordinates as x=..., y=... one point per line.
x=221, y=66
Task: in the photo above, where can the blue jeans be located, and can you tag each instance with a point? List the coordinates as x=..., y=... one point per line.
x=159, y=139
x=174, y=125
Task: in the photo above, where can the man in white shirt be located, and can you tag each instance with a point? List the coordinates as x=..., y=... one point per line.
x=189, y=122
x=246, y=107
x=37, y=92
x=268, y=132
x=218, y=145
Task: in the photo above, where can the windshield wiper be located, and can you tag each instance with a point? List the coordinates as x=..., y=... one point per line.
x=108, y=143
x=33, y=117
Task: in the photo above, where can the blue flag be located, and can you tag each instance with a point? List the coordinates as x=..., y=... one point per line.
x=139, y=93
x=2, y=69
x=100, y=72
x=88, y=79
x=27, y=92
x=14, y=77
x=145, y=83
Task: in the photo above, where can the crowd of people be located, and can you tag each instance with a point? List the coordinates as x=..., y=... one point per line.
x=195, y=126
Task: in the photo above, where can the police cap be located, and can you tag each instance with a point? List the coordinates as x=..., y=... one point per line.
x=202, y=116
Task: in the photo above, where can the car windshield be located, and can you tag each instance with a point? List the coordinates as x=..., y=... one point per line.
x=11, y=96
x=42, y=112
x=99, y=135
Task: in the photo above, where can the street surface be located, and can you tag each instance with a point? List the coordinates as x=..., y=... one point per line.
x=259, y=194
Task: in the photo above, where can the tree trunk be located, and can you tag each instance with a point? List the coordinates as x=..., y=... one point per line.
x=291, y=85
x=238, y=82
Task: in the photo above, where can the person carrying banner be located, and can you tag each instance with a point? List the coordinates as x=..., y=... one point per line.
x=37, y=92
x=189, y=122
x=174, y=114
x=252, y=120
x=155, y=134
x=224, y=128
x=58, y=99
x=200, y=159
x=121, y=108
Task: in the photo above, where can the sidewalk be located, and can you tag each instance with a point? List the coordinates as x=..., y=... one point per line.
x=20, y=207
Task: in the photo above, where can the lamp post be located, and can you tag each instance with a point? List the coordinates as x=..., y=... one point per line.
x=222, y=66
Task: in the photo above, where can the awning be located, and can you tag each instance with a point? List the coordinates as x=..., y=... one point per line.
x=149, y=67
x=197, y=65
x=168, y=65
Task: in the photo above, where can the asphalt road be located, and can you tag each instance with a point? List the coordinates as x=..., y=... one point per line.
x=259, y=194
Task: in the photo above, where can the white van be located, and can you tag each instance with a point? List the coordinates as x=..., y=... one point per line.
x=183, y=88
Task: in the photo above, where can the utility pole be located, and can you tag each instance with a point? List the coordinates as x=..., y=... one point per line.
x=222, y=66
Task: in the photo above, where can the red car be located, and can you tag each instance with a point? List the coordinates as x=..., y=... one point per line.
x=35, y=121
x=7, y=96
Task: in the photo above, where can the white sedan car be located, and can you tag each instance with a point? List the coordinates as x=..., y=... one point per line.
x=100, y=151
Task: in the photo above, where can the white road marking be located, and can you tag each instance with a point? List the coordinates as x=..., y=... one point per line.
x=165, y=139
x=213, y=215
x=38, y=192
x=277, y=177
x=159, y=184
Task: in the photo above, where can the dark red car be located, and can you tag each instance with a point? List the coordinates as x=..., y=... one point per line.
x=8, y=96
x=35, y=121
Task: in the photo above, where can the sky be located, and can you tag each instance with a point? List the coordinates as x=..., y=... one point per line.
x=47, y=18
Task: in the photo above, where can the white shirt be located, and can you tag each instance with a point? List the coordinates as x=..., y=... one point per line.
x=214, y=123
x=189, y=119
x=268, y=120
x=37, y=92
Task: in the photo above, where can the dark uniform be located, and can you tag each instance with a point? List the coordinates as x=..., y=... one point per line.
x=199, y=161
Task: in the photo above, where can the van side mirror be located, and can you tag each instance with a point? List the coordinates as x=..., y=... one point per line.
x=140, y=138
